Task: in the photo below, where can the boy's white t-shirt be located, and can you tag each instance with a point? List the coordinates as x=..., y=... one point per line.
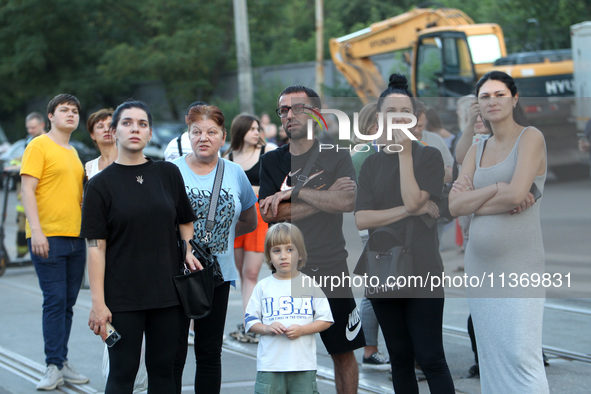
x=271, y=301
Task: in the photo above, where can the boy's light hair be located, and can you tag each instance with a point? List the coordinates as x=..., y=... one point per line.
x=283, y=234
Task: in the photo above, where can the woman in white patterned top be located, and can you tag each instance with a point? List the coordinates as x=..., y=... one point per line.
x=98, y=126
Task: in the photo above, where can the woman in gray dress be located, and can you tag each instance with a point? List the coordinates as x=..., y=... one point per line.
x=495, y=184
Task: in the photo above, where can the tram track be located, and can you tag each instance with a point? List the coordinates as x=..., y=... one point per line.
x=31, y=371
x=551, y=350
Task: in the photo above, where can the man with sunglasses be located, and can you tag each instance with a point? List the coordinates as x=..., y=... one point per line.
x=328, y=190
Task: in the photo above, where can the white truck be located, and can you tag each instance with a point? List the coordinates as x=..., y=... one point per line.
x=581, y=47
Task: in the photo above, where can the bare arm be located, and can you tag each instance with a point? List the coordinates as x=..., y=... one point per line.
x=263, y=329
x=295, y=330
x=516, y=195
x=340, y=197
x=447, y=178
x=501, y=197
x=285, y=211
x=370, y=219
x=186, y=230
x=99, y=312
x=412, y=197
x=464, y=200
x=247, y=221
x=416, y=202
x=39, y=244
x=465, y=141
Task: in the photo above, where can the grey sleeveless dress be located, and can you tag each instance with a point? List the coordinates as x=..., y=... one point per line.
x=507, y=321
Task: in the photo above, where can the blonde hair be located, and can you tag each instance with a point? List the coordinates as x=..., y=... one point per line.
x=367, y=119
x=283, y=234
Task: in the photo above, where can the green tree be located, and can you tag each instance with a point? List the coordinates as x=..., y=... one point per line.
x=182, y=45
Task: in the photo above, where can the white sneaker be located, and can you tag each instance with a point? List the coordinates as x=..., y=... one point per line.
x=72, y=376
x=53, y=377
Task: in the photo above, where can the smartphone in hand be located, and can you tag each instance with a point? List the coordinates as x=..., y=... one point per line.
x=112, y=335
x=535, y=191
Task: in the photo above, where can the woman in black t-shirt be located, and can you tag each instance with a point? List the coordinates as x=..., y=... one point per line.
x=397, y=184
x=129, y=217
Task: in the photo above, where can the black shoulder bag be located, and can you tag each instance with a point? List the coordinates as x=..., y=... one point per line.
x=387, y=264
x=195, y=289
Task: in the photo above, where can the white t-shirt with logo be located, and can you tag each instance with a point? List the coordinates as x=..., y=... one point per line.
x=172, y=149
x=272, y=301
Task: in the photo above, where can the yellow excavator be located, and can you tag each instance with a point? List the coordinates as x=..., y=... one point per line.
x=448, y=54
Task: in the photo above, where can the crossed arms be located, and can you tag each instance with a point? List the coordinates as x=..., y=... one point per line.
x=340, y=197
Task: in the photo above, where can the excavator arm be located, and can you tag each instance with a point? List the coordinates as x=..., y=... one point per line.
x=351, y=53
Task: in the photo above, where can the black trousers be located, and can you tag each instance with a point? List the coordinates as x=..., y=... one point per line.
x=162, y=328
x=209, y=337
x=412, y=328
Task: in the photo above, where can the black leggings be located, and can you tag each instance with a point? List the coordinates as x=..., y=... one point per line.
x=162, y=328
x=412, y=328
x=209, y=337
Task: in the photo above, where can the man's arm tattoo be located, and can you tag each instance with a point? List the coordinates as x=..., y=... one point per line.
x=92, y=243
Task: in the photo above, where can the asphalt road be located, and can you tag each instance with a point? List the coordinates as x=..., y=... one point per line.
x=566, y=223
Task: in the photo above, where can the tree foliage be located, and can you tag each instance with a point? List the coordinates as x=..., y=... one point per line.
x=103, y=50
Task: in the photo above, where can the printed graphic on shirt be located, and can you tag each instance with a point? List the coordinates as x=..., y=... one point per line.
x=316, y=179
x=284, y=307
x=217, y=240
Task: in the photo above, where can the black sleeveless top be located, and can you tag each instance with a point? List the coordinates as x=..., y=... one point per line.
x=253, y=172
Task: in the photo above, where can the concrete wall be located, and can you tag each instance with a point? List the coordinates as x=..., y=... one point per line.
x=301, y=73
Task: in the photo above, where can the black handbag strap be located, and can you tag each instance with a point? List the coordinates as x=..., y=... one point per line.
x=215, y=195
x=179, y=145
x=303, y=177
x=182, y=245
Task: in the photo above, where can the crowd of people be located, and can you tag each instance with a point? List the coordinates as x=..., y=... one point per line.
x=282, y=204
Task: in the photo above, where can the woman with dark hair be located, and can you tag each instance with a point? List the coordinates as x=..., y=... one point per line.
x=372, y=357
x=246, y=148
x=397, y=186
x=497, y=183
x=235, y=215
x=130, y=216
x=99, y=127
x=269, y=128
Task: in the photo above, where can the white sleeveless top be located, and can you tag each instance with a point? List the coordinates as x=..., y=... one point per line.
x=92, y=168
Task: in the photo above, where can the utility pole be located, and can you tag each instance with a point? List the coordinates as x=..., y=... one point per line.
x=320, y=47
x=245, y=85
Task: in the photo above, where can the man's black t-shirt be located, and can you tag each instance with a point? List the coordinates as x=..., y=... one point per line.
x=323, y=232
x=379, y=189
x=134, y=208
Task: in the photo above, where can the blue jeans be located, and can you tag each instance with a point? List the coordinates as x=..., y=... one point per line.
x=60, y=277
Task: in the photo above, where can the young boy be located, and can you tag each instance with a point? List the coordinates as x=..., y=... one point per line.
x=286, y=356
x=51, y=192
